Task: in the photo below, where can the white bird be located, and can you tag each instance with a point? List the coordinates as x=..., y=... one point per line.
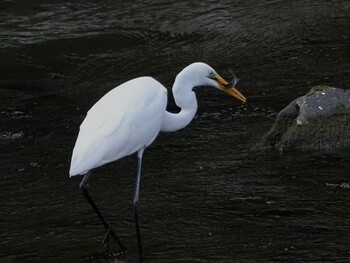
x=128, y=119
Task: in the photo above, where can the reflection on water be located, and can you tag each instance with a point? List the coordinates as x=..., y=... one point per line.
x=204, y=196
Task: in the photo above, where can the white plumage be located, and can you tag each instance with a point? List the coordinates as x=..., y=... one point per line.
x=123, y=121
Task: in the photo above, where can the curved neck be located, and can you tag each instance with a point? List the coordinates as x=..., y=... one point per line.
x=185, y=98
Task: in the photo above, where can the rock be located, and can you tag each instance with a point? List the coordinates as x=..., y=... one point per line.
x=319, y=120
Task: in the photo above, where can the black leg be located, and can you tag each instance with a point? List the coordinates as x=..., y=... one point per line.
x=136, y=203
x=109, y=231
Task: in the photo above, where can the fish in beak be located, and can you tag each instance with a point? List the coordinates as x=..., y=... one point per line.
x=229, y=87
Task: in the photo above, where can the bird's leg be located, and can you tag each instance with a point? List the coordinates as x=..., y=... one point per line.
x=109, y=231
x=136, y=202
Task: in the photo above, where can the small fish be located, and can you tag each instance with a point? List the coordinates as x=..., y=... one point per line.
x=233, y=81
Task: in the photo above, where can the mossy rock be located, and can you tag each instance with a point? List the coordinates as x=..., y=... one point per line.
x=318, y=120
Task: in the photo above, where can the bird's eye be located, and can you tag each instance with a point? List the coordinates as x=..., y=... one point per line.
x=212, y=75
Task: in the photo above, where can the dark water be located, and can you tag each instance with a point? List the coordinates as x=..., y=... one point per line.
x=205, y=197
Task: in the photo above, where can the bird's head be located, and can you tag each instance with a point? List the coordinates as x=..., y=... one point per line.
x=204, y=75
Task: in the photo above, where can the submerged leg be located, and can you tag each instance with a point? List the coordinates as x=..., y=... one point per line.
x=109, y=231
x=136, y=202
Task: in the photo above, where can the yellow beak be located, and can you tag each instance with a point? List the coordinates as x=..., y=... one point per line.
x=225, y=86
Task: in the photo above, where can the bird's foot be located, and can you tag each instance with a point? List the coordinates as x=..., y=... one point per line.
x=111, y=234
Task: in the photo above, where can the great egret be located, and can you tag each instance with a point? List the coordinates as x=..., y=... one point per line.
x=129, y=117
